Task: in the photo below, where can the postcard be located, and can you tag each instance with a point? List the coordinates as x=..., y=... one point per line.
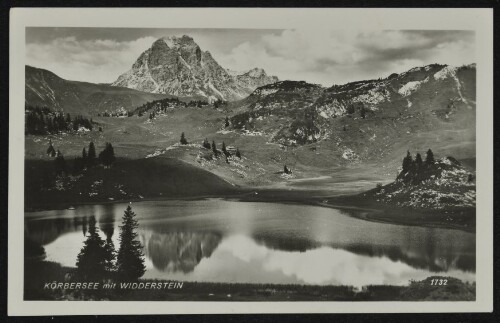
x=250, y=160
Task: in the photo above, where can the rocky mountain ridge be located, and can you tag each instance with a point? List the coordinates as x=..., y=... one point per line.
x=367, y=120
x=178, y=66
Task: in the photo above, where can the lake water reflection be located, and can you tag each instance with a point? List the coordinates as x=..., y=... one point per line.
x=226, y=241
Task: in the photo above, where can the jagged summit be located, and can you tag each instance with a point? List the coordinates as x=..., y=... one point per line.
x=178, y=66
x=173, y=41
x=256, y=72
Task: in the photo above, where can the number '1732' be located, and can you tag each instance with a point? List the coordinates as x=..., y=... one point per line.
x=439, y=282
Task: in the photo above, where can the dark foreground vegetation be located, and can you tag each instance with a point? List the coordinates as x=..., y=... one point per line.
x=126, y=180
x=38, y=273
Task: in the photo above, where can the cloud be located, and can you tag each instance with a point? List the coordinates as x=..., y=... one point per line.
x=318, y=56
x=97, y=60
x=329, y=57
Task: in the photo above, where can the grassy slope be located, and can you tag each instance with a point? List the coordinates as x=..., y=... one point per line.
x=45, y=88
x=135, y=138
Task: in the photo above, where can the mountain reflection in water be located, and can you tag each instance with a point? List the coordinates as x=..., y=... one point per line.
x=179, y=251
x=222, y=241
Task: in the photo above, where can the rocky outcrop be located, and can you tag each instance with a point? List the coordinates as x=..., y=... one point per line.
x=442, y=184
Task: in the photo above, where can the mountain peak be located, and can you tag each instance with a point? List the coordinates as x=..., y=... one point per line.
x=178, y=66
x=175, y=41
x=256, y=72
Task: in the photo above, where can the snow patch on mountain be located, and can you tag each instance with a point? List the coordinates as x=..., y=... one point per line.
x=373, y=97
x=334, y=108
x=349, y=155
x=409, y=88
x=170, y=41
x=445, y=72
x=265, y=92
x=450, y=71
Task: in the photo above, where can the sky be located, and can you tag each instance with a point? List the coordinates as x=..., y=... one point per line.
x=325, y=57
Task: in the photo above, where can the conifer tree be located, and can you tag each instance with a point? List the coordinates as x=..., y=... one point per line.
x=51, y=151
x=84, y=154
x=362, y=112
x=84, y=226
x=78, y=165
x=429, y=159
x=418, y=161
x=226, y=124
x=238, y=154
x=286, y=170
x=95, y=260
x=60, y=163
x=183, y=139
x=111, y=152
x=130, y=258
x=214, y=149
x=470, y=178
x=206, y=144
x=91, y=153
x=407, y=162
x=224, y=150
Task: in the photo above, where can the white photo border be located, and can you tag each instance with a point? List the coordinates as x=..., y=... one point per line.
x=478, y=20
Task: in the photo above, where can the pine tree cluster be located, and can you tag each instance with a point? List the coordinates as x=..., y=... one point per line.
x=412, y=169
x=98, y=259
x=223, y=150
x=107, y=156
x=95, y=260
x=163, y=104
x=86, y=160
x=219, y=103
x=42, y=121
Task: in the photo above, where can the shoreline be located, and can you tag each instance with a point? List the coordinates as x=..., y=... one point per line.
x=363, y=210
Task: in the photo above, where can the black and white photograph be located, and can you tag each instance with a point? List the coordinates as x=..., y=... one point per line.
x=259, y=164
